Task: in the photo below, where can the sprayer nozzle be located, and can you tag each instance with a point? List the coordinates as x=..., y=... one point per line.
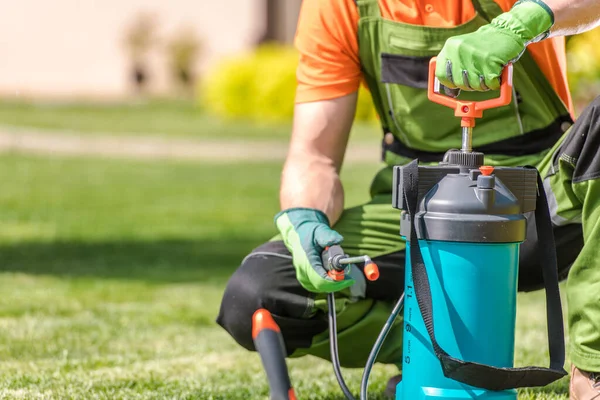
x=371, y=271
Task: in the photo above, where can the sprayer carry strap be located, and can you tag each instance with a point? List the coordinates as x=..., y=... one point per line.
x=480, y=375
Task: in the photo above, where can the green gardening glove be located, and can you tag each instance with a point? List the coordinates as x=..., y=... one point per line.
x=306, y=233
x=475, y=61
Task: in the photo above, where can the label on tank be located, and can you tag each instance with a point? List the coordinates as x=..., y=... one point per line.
x=409, y=293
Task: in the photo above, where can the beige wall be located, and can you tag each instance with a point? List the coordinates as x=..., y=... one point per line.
x=74, y=48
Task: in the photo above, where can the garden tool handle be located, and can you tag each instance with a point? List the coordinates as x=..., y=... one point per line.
x=469, y=110
x=335, y=261
x=271, y=348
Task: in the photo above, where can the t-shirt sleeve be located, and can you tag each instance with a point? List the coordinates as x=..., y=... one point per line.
x=326, y=39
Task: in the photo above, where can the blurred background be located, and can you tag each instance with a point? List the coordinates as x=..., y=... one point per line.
x=141, y=147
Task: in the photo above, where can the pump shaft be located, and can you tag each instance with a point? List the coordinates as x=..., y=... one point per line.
x=467, y=139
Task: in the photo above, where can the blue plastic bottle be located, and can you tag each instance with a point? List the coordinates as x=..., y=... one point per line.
x=473, y=289
x=470, y=226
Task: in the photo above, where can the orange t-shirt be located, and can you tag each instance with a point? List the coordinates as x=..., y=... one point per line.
x=327, y=41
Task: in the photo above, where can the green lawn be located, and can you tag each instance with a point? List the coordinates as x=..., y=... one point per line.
x=146, y=117
x=112, y=273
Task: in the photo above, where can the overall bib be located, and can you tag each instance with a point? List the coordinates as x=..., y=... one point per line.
x=394, y=57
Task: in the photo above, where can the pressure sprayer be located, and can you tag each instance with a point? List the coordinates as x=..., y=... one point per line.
x=463, y=223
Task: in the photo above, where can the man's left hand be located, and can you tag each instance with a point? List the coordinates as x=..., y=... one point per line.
x=475, y=61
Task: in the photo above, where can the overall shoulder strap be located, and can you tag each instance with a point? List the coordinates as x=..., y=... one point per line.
x=476, y=374
x=368, y=8
x=488, y=9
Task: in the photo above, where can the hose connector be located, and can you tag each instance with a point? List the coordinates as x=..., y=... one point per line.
x=335, y=261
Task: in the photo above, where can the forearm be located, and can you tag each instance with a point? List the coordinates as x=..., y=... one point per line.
x=310, y=175
x=310, y=180
x=574, y=16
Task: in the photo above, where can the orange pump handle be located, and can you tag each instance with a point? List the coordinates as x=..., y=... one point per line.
x=469, y=110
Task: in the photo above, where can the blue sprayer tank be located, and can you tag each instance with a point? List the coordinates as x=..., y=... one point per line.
x=470, y=222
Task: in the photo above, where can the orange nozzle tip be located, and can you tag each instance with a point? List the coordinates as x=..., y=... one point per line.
x=372, y=271
x=486, y=170
x=262, y=319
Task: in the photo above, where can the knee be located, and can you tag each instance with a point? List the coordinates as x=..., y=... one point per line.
x=249, y=289
x=242, y=297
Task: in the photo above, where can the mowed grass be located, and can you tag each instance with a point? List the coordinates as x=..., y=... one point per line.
x=112, y=274
x=150, y=117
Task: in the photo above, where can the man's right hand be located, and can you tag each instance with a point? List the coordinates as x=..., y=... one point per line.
x=306, y=234
x=311, y=193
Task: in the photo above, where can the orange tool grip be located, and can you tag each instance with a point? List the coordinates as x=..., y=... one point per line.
x=371, y=271
x=291, y=394
x=269, y=344
x=469, y=110
x=262, y=319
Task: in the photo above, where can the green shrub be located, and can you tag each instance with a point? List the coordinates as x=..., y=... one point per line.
x=260, y=86
x=274, y=83
x=226, y=90
x=365, y=110
x=583, y=56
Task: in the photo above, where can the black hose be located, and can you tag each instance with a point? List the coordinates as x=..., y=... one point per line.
x=333, y=347
x=364, y=384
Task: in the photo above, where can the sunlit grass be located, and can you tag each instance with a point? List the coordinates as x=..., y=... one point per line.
x=113, y=277
x=163, y=118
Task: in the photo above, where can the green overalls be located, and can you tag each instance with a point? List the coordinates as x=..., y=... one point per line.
x=530, y=131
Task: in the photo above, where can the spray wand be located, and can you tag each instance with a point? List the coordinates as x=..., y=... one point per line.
x=335, y=262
